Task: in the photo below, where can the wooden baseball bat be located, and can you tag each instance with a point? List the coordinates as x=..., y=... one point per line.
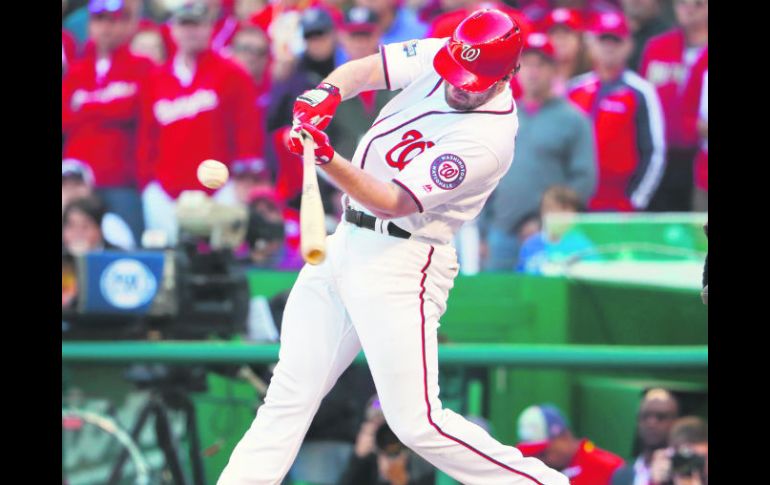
x=311, y=211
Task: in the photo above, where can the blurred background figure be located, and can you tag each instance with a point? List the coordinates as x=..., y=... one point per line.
x=149, y=43
x=627, y=118
x=546, y=435
x=685, y=460
x=555, y=145
x=251, y=49
x=100, y=110
x=558, y=243
x=82, y=226
x=77, y=183
x=198, y=106
x=657, y=413
x=670, y=62
x=397, y=22
x=565, y=28
x=267, y=243
x=646, y=19
x=381, y=459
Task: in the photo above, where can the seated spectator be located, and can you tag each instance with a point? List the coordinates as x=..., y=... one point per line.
x=149, y=43
x=627, y=117
x=546, y=435
x=77, y=183
x=272, y=238
x=537, y=10
x=82, y=227
x=685, y=461
x=558, y=243
x=657, y=413
x=381, y=459
x=555, y=145
x=245, y=176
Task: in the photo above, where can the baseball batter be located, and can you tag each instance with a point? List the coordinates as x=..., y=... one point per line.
x=427, y=165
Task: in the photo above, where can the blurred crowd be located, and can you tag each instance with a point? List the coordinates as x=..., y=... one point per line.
x=612, y=101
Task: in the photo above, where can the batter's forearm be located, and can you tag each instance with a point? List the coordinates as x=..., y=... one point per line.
x=356, y=76
x=384, y=199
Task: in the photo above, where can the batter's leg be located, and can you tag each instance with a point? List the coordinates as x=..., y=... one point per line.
x=399, y=339
x=318, y=343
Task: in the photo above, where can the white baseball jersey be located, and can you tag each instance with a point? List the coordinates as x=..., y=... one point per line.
x=449, y=161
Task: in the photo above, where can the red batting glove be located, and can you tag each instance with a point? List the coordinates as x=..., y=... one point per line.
x=318, y=105
x=323, y=150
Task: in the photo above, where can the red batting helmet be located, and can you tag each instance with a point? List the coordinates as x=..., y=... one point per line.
x=484, y=48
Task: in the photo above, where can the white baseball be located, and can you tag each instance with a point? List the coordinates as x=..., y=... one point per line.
x=212, y=173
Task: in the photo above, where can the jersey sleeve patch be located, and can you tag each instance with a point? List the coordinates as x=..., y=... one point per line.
x=447, y=171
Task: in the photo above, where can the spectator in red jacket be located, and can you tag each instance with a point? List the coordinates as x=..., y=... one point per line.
x=100, y=108
x=670, y=62
x=199, y=105
x=627, y=117
x=545, y=434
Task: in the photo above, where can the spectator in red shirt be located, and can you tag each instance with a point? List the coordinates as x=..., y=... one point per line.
x=100, y=108
x=199, y=105
x=627, y=117
x=670, y=62
x=545, y=434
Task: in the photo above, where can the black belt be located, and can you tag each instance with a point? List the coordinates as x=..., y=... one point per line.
x=364, y=220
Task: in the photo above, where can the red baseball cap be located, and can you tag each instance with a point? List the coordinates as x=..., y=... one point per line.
x=610, y=23
x=537, y=41
x=566, y=17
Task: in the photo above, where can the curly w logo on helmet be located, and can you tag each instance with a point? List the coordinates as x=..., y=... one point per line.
x=469, y=53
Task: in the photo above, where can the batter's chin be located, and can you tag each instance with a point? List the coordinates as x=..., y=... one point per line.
x=463, y=100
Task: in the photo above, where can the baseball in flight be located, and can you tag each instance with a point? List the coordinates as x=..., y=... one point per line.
x=212, y=173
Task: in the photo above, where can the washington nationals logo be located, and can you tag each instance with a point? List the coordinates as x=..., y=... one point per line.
x=447, y=171
x=410, y=146
x=469, y=53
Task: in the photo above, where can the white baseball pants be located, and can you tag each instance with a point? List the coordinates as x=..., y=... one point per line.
x=385, y=295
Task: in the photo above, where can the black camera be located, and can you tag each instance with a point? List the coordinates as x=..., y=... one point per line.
x=686, y=462
x=193, y=290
